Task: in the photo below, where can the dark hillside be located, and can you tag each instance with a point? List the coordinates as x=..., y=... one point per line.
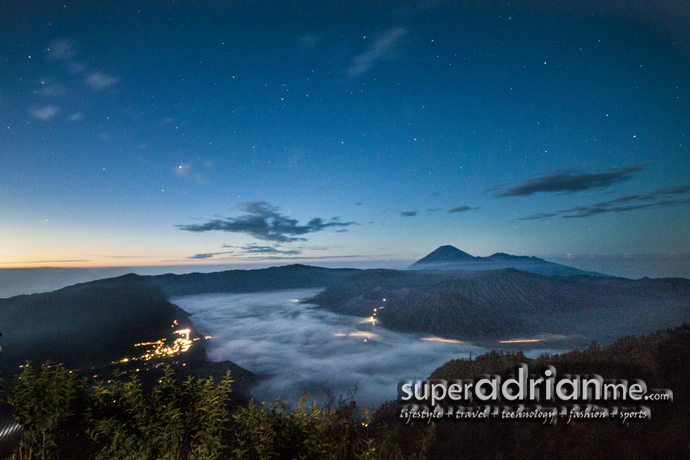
x=512, y=301
x=451, y=316
x=86, y=323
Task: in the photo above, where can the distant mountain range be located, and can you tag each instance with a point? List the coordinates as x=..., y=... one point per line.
x=452, y=258
x=294, y=276
x=93, y=323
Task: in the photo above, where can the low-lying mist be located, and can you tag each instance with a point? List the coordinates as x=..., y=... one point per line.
x=297, y=348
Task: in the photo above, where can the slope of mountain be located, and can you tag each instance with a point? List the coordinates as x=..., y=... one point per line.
x=444, y=254
x=509, y=301
x=450, y=315
x=85, y=324
x=95, y=323
x=451, y=258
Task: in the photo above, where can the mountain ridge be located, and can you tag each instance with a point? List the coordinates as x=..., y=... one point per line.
x=511, y=301
x=450, y=258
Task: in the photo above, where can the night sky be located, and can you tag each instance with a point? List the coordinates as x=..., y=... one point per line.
x=346, y=133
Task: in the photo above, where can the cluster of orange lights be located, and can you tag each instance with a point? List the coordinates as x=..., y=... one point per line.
x=159, y=348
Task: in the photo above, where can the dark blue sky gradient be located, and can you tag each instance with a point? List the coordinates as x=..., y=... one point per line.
x=130, y=127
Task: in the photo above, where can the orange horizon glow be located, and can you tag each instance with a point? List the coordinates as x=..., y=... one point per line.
x=521, y=341
x=441, y=339
x=155, y=261
x=167, y=263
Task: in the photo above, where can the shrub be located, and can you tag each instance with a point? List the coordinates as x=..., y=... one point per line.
x=45, y=402
x=173, y=422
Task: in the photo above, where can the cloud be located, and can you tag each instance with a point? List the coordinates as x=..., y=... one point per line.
x=298, y=348
x=183, y=170
x=309, y=41
x=50, y=88
x=26, y=262
x=207, y=255
x=45, y=113
x=677, y=190
x=77, y=116
x=353, y=256
x=99, y=80
x=381, y=49
x=76, y=67
x=569, y=181
x=460, y=209
x=408, y=213
x=59, y=50
x=541, y=215
x=661, y=198
x=263, y=222
x=256, y=249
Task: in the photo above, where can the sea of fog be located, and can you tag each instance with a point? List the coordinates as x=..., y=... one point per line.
x=298, y=348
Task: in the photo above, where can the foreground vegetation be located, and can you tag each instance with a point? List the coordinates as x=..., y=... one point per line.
x=66, y=418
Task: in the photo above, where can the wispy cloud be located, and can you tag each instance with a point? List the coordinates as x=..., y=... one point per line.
x=65, y=50
x=256, y=249
x=99, y=80
x=571, y=181
x=460, y=209
x=541, y=215
x=661, y=198
x=57, y=261
x=263, y=222
x=45, y=113
x=183, y=169
x=257, y=252
x=76, y=67
x=51, y=88
x=382, y=48
x=408, y=213
x=309, y=41
x=354, y=256
x=59, y=50
x=206, y=255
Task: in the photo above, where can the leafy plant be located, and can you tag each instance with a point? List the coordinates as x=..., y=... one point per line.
x=44, y=401
x=306, y=431
x=173, y=422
